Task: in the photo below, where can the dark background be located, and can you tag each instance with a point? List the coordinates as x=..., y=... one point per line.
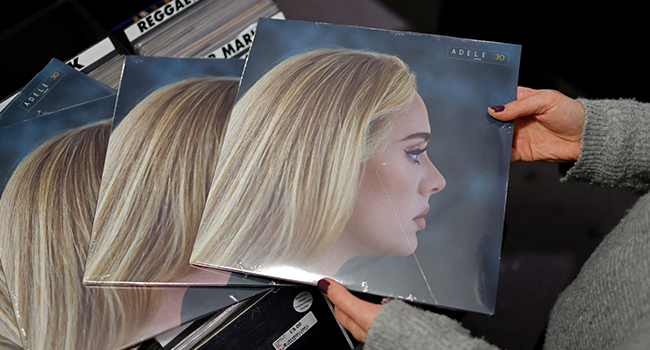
x=581, y=49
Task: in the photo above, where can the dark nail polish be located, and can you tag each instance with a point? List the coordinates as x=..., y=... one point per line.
x=498, y=109
x=323, y=285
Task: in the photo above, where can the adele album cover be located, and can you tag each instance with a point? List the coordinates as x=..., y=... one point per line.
x=367, y=156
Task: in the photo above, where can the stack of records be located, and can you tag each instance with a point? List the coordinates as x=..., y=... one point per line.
x=102, y=61
x=299, y=317
x=199, y=28
x=53, y=142
x=216, y=192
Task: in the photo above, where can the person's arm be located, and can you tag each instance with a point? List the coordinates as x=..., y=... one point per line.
x=615, y=148
x=397, y=325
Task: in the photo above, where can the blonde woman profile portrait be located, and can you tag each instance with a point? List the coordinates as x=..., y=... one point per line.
x=159, y=164
x=324, y=159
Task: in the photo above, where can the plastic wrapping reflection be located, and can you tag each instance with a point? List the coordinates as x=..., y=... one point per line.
x=140, y=199
x=53, y=197
x=330, y=164
x=328, y=196
x=170, y=117
x=46, y=211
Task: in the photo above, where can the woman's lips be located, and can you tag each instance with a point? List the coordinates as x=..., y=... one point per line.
x=420, y=221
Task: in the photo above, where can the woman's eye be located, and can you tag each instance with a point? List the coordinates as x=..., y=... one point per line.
x=415, y=154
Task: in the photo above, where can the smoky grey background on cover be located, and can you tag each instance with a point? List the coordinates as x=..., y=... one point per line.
x=459, y=251
x=76, y=100
x=143, y=75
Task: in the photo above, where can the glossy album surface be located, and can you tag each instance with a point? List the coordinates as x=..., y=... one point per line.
x=52, y=160
x=168, y=125
x=367, y=156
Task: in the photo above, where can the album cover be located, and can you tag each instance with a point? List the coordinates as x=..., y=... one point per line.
x=367, y=156
x=101, y=61
x=53, y=141
x=168, y=125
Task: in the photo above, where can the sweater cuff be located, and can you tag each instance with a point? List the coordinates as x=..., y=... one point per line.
x=614, y=145
x=401, y=326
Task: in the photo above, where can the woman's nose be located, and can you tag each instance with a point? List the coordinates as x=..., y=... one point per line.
x=433, y=182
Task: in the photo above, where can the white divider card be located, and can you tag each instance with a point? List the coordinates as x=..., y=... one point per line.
x=203, y=28
x=157, y=17
x=92, y=55
x=239, y=46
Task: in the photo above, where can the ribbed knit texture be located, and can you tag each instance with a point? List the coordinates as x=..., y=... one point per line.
x=615, y=150
x=611, y=296
x=608, y=305
x=400, y=326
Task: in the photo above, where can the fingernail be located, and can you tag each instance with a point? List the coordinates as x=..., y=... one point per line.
x=498, y=109
x=323, y=285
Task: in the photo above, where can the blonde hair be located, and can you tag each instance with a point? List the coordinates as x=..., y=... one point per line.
x=291, y=162
x=157, y=175
x=46, y=215
x=9, y=335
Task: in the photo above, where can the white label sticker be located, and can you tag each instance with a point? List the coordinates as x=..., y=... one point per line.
x=295, y=332
x=302, y=302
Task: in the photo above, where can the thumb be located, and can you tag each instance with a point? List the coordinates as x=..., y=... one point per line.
x=354, y=314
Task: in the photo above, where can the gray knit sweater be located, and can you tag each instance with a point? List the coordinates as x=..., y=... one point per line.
x=608, y=305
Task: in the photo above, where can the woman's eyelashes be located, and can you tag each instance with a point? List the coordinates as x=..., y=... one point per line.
x=415, y=154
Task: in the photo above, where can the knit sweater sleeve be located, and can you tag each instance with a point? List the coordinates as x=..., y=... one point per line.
x=639, y=338
x=401, y=326
x=615, y=149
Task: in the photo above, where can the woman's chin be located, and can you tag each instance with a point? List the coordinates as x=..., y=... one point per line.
x=407, y=248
